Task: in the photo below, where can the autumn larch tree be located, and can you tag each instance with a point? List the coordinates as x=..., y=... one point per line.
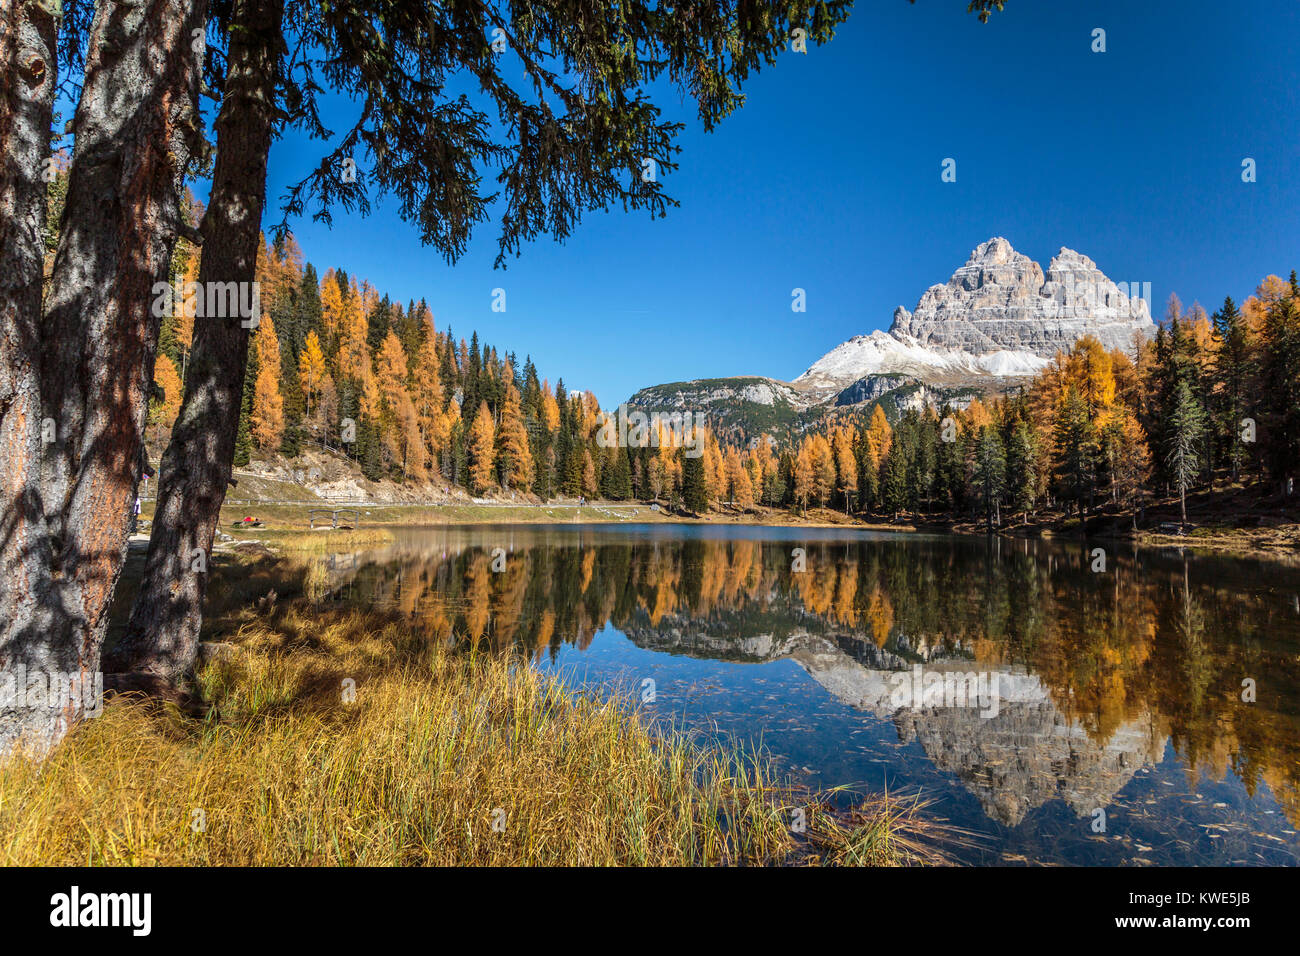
x=311, y=371
x=512, y=439
x=482, y=451
x=166, y=403
x=267, y=422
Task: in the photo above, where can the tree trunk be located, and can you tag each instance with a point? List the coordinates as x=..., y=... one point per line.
x=161, y=640
x=136, y=128
x=28, y=64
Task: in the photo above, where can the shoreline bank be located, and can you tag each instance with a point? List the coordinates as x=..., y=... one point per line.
x=1277, y=540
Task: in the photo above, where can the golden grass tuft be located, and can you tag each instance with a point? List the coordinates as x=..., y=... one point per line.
x=435, y=745
x=304, y=540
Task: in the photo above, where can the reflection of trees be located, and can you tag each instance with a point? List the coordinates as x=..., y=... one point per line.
x=1154, y=639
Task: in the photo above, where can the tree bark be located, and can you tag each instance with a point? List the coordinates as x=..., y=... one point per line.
x=136, y=127
x=28, y=65
x=161, y=640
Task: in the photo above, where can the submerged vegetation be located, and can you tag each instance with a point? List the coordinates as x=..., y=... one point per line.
x=344, y=737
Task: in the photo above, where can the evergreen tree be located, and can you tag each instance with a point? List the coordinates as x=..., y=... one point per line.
x=1076, y=448
x=244, y=435
x=990, y=472
x=368, y=450
x=310, y=318
x=1183, y=440
x=895, y=471
x=1022, y=468
x=379, y=323
x=620, y=483
x=1282, y=386
x=1234, y=372
x=694, y=494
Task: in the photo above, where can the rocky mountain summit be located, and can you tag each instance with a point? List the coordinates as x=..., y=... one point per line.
x=997, y=321
x=999, y=315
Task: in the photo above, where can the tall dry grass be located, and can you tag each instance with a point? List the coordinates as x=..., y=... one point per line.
x=340, y=738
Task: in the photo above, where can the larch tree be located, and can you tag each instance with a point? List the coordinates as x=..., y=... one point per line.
x=823, y=470
x=354, y=350
x=186, y=311
x=267, y=419
x=401, y=426
x=267, y=422
x=482, y=451
x=741, y=485
x=331, y=308
x=846, y=466
x=434, y=423
x=1130, y=464
x=512, y=440
x=311, y=371
x=166, y=403
x=804, y=474
x=590, y=484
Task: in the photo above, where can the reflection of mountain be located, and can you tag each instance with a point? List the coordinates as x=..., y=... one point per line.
x=1026, y=755
x=1096, y=671
x=1029, y=754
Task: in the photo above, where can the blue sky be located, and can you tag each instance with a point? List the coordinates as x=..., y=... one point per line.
x=829, y=180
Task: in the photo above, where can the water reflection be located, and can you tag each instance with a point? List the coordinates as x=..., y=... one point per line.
x=1102, y=676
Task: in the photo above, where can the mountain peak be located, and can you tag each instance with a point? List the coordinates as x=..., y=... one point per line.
x=998, y=314
x=996, y=249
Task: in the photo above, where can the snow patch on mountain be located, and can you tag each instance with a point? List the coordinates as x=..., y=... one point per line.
x=887, y=353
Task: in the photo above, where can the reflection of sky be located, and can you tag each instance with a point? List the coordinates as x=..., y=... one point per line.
x=825, y=743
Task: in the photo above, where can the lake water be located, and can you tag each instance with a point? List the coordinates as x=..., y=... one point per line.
x=1090, y=717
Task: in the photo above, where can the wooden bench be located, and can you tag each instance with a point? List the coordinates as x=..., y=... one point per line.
x=334, y=514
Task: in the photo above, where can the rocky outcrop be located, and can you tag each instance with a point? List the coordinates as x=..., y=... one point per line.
x=999, y=315
x=871, y=387
x=738, y=408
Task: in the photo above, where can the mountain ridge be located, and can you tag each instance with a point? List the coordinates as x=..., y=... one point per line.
x=997, y=321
